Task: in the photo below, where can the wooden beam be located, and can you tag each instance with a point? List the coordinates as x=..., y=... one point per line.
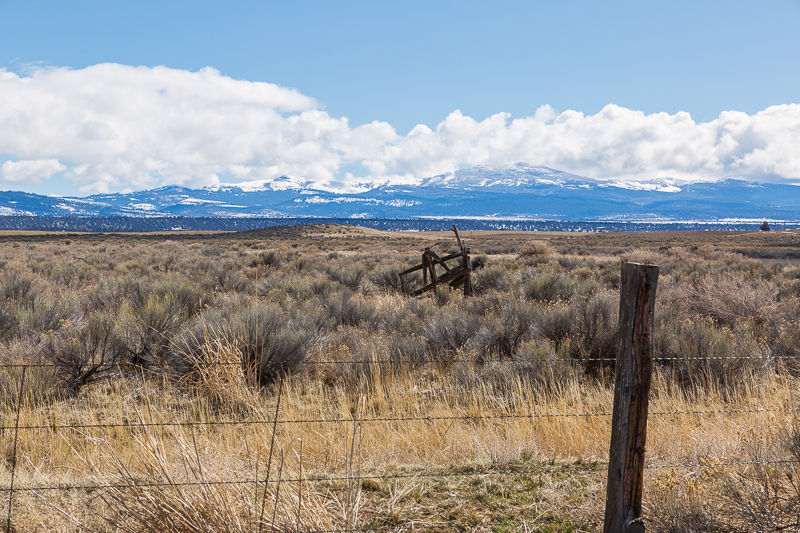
x=453, y=256
x=440, y=261
x=458, y=237
x=432, y=266
x=441, y=281
x=633, y=372
x=425, y=266
x=410, y=270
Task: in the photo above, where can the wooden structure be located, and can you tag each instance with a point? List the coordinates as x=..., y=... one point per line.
x=456, y=275
x=631, y=395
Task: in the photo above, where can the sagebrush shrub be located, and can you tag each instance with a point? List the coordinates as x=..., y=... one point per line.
x=548, y=287
x=271, y=343
x=351, y=276
x=87, y=353
x=507, y=328
x=449, y=331
x=148, y=330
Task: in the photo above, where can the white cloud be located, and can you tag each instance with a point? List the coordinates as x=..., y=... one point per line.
x=122, y=127
x=30, y=171
x=614, y=143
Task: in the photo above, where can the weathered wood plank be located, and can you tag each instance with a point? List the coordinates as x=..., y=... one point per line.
x=456, y=276
x=440, y=261
x=431, y=266
x=458, y=237
x=631, y=397
x=441, y=281
x=425, y=266
x=454, y=255
x=410, y=270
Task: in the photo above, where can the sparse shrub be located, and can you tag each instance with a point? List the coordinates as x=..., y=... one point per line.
x=534, y=248
x=8, y=321
x=270, y=343
x=348, y=310
x=443, y=295
x=449, y=331
x=147, y=331
x=267, y=343
x=508, y=328
x=548, y=287
x=498, y=249
x=224, y=277
x=210, y=251
x=727, y=298
x=300, y=264
x=351, y=276
x=269, y=258
x=584, y=329
x=554, y=324
x=83, y=354
x=17, y=287
x=699, y=353
x=567, y=262
x=595, y=327
x=766, y=495
x=45, y=315
x=407, y=348
x=489, y=279
x=191, y=298
x=389, y=279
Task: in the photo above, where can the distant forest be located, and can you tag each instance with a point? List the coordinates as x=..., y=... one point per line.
x=138, y=224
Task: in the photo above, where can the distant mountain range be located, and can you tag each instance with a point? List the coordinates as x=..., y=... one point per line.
x=515, y=191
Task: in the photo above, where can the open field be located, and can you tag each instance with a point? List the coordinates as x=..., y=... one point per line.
x=156, y=364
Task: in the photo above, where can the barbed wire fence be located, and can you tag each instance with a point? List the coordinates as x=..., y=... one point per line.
x=14, y=488
x=268, y=485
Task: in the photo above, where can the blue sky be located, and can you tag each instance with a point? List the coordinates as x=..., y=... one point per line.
x=401, y=64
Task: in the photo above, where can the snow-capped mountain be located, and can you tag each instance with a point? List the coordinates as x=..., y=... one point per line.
x=516, y=191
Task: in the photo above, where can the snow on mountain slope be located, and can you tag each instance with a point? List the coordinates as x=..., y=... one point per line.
x=519, y=191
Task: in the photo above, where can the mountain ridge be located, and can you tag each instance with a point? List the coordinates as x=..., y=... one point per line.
x=516, y=191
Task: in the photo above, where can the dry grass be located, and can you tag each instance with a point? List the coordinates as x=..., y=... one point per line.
x=494, y=434
x=445, y=435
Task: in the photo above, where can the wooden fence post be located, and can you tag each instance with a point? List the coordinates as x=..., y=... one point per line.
x=631, y=395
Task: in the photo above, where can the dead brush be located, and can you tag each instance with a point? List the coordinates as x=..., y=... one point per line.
x=727, y=299
x=534, y=248
x=178, y=484
x=220, y=372
x=765, y=496
x=644, y=256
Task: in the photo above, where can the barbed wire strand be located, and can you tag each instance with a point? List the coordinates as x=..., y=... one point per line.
x=133, y=425
x=459, y=361
x=11, y=489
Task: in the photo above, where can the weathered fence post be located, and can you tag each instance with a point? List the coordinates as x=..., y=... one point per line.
x=631, y=395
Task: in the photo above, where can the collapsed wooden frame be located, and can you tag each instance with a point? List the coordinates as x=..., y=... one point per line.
x=455, y=276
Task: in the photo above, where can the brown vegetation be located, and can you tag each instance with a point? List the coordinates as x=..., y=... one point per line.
x=475, y=396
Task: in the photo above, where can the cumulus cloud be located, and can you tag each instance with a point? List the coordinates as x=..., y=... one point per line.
x=111, y=127
x=30, y=171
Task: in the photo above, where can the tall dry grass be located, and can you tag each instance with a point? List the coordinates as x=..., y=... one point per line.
x=178, y=424
x=201, y=476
